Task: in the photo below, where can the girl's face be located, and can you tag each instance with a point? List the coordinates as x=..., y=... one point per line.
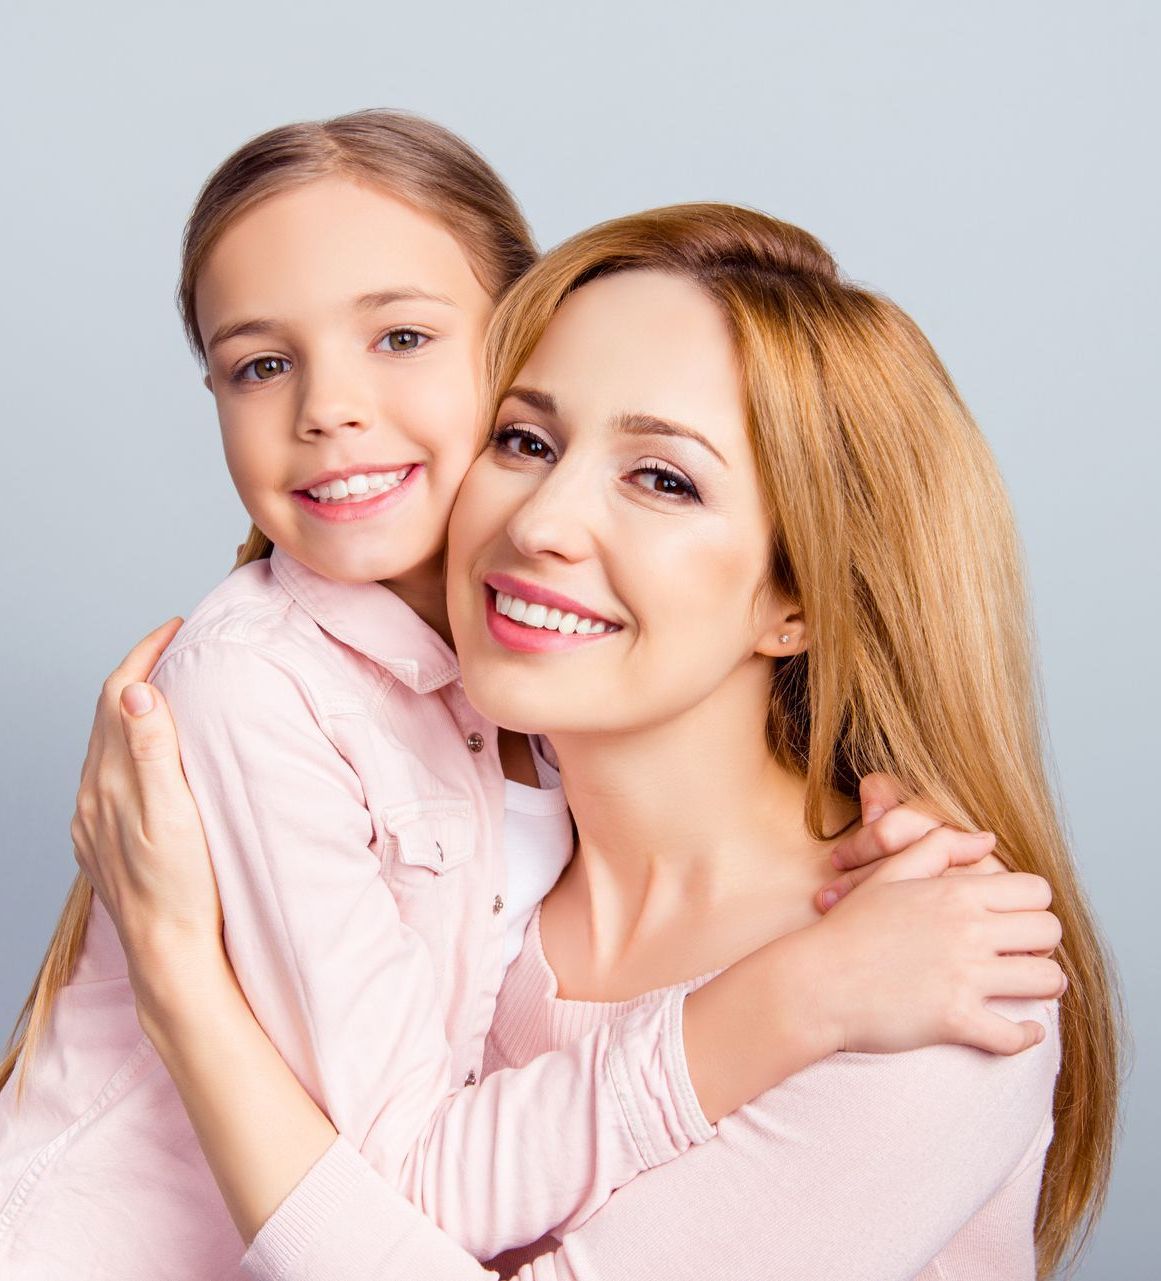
x=609, y=551
x=343, y=331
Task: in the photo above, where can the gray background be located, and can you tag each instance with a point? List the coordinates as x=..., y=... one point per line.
x=991, y=166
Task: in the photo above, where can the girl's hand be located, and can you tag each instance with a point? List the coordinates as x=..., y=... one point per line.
x=912, y=957
x=136, y=830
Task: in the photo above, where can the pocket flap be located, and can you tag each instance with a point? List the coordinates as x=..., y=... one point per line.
x=436, y=834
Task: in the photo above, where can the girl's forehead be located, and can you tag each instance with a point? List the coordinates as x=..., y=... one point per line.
x=335, y=236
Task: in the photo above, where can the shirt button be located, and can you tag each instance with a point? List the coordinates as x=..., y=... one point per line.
x=475, y=742
x=470, y=1079
x=497, y=905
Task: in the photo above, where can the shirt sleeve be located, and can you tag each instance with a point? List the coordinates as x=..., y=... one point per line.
x=347, y=992
x=862, y=1167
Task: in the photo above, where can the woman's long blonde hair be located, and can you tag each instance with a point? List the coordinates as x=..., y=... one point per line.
x=412, y=159
x=893, y=532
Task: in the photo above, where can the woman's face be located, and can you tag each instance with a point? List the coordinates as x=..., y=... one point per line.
x=343, y=331
x=608, y=551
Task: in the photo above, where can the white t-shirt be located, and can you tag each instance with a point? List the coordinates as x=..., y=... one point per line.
x=538, y=843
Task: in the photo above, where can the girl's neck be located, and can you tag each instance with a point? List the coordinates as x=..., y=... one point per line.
x=424, y=590
x=693, y=848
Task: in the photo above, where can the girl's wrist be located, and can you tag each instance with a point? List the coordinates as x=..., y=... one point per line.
x=175, y=974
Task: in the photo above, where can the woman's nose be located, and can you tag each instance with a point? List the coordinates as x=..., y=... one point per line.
x=556, y=518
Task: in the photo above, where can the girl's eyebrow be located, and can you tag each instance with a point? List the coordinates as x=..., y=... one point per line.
x=368, y=302
x=260, y=326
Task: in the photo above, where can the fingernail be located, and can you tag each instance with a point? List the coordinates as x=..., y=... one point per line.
x=981, y=836
x=828, y=899
x=137, y=699
x=873, y=814
x=1039, y=1033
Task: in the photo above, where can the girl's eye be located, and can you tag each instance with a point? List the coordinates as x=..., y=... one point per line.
x=263, y=369
x=402, y=340
x=660, y=479
x=523, y=443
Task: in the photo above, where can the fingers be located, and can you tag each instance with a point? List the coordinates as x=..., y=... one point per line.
x=1026, y=977
x=1013, y=891
x=1024, y=932
x=998, y=1035
x=143, y=657
x=151, y=739
x=878, y=793
x=933, y=854
x=890, y=834
x=841, y=886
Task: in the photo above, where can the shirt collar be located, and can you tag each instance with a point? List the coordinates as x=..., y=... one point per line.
x=371, y=619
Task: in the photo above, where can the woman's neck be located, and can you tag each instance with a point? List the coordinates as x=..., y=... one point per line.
x=693, y=848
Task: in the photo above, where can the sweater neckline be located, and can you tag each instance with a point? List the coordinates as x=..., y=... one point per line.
x=606, y=1010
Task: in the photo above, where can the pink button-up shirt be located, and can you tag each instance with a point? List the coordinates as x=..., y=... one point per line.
x=353, y=804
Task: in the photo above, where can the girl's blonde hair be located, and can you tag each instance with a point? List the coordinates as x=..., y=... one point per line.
x=413, y=159
x=893, y=533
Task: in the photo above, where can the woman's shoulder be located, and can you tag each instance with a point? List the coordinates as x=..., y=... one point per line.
x=937, y=1105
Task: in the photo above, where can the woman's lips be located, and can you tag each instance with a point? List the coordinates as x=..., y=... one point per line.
x=534, y=640
x=340, y=513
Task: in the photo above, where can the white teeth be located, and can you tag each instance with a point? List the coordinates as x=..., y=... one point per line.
x=535, y=615
x=358, y=485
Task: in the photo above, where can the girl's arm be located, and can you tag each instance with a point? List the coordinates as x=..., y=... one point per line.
x=862, y=1167
x=346, y=990
x=180, y=976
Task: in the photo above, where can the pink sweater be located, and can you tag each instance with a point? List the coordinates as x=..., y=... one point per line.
x=353, y=803
x=860, y=1168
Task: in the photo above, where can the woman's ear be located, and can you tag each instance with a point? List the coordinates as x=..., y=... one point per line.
x=209, y=383
x=782, y=630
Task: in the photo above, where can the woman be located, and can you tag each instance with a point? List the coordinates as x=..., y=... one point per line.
x=761, y=481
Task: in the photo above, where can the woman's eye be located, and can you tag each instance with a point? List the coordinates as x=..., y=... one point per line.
x=522, y=443
x=658, y=479
x=402, y=340
x=263, y=369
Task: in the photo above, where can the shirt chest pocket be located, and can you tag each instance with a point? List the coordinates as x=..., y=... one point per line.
x=426, y=849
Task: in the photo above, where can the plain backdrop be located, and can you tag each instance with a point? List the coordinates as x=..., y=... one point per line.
x=993, y=167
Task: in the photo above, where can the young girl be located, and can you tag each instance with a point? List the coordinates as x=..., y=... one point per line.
x=337, y=280
x=761, y=479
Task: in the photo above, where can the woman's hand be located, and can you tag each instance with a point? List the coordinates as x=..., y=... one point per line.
x=136, y=830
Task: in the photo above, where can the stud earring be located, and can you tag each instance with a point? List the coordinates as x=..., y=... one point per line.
x=784, y=639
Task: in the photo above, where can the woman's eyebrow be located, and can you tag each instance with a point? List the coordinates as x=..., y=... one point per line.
x=534, y=399
x=649, y=425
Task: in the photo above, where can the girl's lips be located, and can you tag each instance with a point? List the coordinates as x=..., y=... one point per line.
x=340, y=513
x=531, y=640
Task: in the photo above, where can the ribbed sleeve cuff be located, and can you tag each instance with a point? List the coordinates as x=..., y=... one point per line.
x=328, y=1186
x=650, y=1074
